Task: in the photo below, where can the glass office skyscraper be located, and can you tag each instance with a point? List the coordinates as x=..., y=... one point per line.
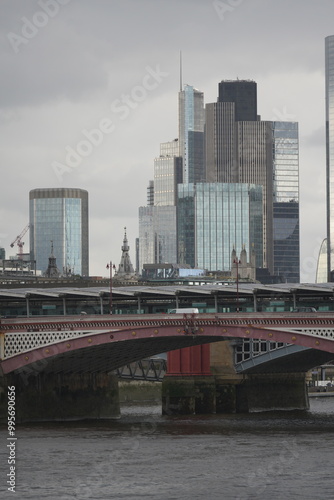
x=286, y=201
x=191, y=134
x=329, y=79
x=214, y=219
x=167, y=174
x=157, y=235
x=60, y=216
x=181, y=160
x=157, y=221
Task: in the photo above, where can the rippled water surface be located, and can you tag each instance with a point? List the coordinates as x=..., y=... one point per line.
x=274, y=455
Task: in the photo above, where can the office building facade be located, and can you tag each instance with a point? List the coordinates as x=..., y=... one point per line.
x=216, y=218
x=191, y=134
x=243, y=93
x=157, y=235
x=59, y=219
x=255, y=165
x=220, y=143
x=167, y=174
x=329, y=99
x=286, y=231
x=157, y=221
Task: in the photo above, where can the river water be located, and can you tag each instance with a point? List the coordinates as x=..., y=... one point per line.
x=274, y=455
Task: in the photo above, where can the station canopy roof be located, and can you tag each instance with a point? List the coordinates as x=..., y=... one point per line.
x=242, y=289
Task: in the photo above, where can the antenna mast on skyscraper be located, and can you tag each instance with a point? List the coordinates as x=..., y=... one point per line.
x=180, y=71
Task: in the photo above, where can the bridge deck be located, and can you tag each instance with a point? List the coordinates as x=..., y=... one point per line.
x=290, y=320
x=81, y=343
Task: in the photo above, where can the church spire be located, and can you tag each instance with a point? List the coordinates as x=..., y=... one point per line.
x=52, y=270
x=125, y=247
x=125, y=269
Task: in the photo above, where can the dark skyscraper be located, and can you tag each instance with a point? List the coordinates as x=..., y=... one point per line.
x=243, y=93
x=220, y=146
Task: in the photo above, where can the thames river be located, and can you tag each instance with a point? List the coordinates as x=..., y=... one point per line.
x=274, y=456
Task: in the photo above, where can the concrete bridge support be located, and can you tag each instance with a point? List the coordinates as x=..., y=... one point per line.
x=275, y=391
x=202, y=379
x=188, y=395
x=226, y=379
x=189, y=388
x=256, y=392
x=59, y=397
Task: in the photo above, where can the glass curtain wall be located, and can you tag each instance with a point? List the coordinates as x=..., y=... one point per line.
x=214, y=219
x=286, y=201
x=59, y=219
x=329, y=80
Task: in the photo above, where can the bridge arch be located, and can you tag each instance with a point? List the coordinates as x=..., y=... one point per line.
x=117, y=346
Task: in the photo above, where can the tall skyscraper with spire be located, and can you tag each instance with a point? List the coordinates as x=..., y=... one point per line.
x=180, y=161
x=329, y=87
x=191, y=133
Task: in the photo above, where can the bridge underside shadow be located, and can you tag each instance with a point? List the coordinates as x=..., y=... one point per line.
x=105, y=358
x=288, y=359
x=78, y=384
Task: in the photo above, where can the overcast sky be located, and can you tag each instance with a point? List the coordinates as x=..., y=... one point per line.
x=71, y=67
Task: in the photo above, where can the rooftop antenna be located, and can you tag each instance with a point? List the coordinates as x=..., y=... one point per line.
x=180, y=71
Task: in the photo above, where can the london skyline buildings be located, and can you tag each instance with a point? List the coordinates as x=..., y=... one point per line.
x=242, y=148
x=244, y=152
x=79, y=85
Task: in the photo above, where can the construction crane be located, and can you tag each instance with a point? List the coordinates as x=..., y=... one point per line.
x=18, y=241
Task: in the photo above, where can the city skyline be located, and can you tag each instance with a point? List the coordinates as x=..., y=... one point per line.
x=240, y=148
x=56, y=102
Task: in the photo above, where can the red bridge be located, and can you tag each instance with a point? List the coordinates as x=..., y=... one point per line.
x=78, y=344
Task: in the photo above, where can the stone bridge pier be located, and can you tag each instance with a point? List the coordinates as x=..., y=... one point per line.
x=61, y=397
x=189, y=387
x=273, y=391
x=205, y=381
x=254, y=392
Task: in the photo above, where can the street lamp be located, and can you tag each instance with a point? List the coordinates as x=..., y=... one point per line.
x=110, y=266
x=237, y=262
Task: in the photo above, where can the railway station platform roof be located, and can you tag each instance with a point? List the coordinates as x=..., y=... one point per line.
x=157, y=297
